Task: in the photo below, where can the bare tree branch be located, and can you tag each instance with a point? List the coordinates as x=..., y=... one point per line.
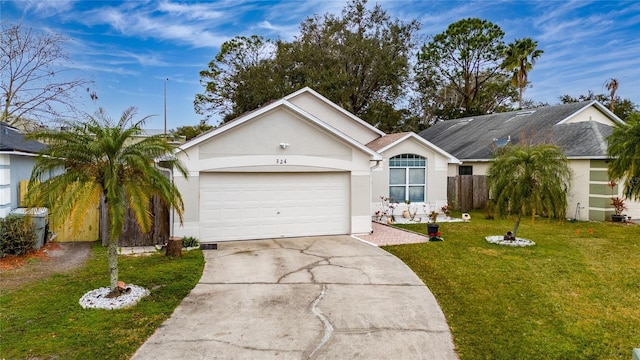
x=33, y=84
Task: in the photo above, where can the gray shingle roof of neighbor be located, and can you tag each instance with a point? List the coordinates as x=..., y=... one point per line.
x=475, y=138
x=12, y=140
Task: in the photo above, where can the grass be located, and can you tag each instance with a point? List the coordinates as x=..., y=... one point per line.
x=574, y=295
x=44, y=319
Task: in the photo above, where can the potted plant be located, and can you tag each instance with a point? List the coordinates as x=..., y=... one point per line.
x=435, y=236
x=392, y=206
x=618, y=208
x=432, y=226
x=406, y=213
x=445, y=210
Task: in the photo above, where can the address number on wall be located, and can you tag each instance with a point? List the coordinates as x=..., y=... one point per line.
x=281, y=161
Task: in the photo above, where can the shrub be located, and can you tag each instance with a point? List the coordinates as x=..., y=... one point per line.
x=190, y=241
x=17, y=237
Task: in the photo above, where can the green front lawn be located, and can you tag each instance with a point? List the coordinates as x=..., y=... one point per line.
x=44, y=319
x=574, y=295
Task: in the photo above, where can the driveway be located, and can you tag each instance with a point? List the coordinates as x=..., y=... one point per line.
x=303, y=298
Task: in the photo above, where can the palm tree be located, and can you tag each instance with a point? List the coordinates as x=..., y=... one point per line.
x=103, y=162
x=519, y=58
x=530, y=179
x=624, y=151
x=612, y=86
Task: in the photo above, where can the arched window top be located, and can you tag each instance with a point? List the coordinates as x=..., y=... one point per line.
x=407, y=177
x=408, y=160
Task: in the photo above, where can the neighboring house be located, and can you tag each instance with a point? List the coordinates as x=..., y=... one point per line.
x=579, y=129
x=17, y=158
x=301, y=166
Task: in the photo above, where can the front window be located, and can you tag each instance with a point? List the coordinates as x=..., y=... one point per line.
x=407, y=177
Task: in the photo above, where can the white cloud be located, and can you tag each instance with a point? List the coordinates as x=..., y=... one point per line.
x=47, y=7
x=191, y=11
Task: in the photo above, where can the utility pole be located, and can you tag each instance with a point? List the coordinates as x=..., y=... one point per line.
x=165, y=107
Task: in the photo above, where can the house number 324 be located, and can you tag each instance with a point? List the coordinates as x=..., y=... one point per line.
x=281, y=161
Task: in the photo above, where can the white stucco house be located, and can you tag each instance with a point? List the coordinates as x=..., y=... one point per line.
x=301, y=166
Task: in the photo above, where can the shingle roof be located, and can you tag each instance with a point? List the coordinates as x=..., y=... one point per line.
x=475, y=138
x=12, y=140
x=385, y=140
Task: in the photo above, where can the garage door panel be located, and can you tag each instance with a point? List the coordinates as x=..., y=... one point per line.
x=236, y=206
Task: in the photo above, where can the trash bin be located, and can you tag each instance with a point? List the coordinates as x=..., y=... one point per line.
x=39, y=222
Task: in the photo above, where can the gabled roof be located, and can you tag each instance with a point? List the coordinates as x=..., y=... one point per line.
x=271, y=106
x=475, y=138
x=12, y=140
x=383, y=143
x=336, y=107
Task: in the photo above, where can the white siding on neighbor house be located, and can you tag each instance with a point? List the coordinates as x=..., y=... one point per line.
x=633, y=210
x=240, y=206
x=578, y=195
x=579, y=192
x=13, y=169
x=479, y=167
x=590, y=113
x=5, y=185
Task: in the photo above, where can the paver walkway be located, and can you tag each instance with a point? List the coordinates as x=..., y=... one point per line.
x=389, y=235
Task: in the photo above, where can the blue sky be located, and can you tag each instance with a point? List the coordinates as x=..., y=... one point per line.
x=130, y=48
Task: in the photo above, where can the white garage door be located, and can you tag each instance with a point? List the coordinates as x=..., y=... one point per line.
x=238, y=206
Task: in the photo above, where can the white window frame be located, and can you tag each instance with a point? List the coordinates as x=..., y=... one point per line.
x=412, y=161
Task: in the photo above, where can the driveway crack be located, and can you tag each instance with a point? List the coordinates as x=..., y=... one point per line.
x=328, y=328
x=306, y=268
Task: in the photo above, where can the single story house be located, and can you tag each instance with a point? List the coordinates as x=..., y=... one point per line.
x=579, y=129
x=17, y=158
x=301, y=166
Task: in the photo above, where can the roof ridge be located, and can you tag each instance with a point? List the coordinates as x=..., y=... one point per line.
x=599, y=137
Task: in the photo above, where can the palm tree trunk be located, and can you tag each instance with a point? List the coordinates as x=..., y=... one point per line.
x=515, y=228
x=112, y=256
x=521, y=88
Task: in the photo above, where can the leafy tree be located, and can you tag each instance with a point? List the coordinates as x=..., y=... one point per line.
x=355, y=60
x=622, y=107
x=531, y=104
x=190, y=131
x=444, y=103
x=461, y=66
x=530, y=179
x=358, y=60
x=519, y=59
x=624, y=150
x=33, y=84
x=240, y=78
x=102, y=160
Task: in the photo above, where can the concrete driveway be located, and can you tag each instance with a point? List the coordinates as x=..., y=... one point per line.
x=304, y=298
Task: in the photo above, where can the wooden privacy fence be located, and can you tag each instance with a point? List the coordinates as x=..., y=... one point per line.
x=94, y=225
x=467, y=192
x=132, y=235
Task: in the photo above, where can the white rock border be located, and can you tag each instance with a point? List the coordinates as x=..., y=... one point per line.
x=96, y=299
x=499, y=240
